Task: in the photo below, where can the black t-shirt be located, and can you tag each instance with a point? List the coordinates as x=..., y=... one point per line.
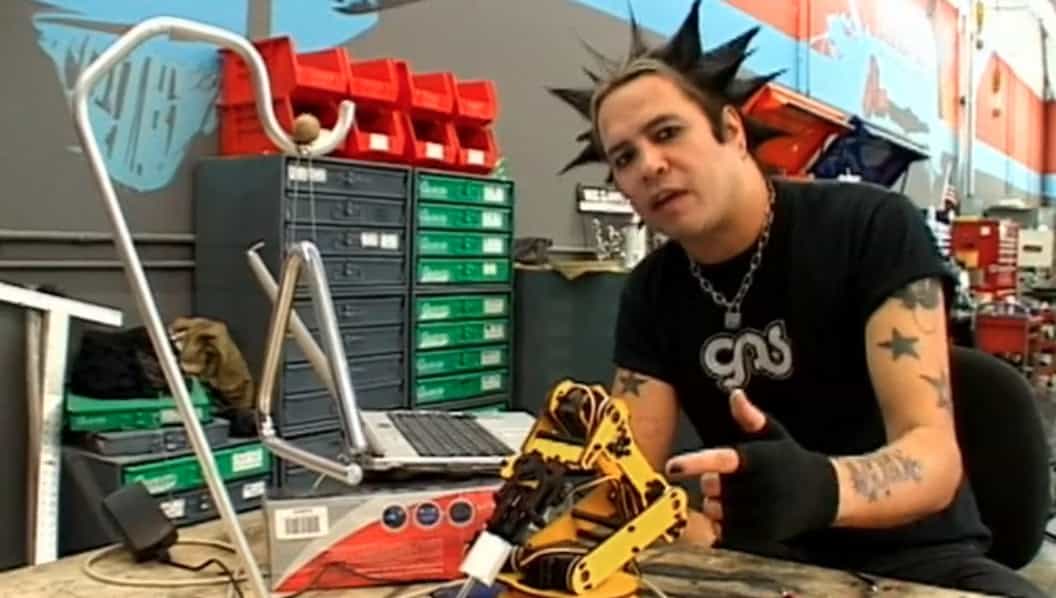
x=837, y=251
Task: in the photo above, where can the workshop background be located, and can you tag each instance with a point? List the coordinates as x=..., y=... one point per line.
x=982, y=115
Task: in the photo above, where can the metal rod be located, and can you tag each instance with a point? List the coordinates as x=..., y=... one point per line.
x=305, y=255
x=35, y=417
x=134, y=271
x=62, y=236
x=92, y=264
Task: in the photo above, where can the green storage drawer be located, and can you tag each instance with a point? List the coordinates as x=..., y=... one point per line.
x=462, y=244
x=184, y=473
x=464, y=386
x=460, y=334
x=464, y=271
x=461, y=307
x=87, y=414
x=463, y=217
x=434, y=363
x=436, y=187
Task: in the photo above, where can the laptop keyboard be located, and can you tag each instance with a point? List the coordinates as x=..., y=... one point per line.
x=446, y=435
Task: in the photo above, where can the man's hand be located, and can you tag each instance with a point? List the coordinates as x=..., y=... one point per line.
x=767, y=488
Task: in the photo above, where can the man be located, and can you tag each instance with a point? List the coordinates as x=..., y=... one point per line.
x=801, y=327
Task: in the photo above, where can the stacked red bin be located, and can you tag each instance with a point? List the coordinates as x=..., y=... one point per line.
x=423, y=119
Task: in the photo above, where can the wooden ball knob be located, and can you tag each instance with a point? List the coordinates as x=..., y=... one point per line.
x=306, y=129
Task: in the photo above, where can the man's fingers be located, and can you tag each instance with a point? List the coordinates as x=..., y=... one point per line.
x=710, y=485
x=702, y=462
x=712, y=508
x=747, y=415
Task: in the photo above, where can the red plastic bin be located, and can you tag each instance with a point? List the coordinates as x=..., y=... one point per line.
x=478, y=152
x=431, y=142
x=241, y=132
x=476, y=103
x=1002, y=328
x=426, y=94
x=374, y=82
x=379, y=134
x=311, y=76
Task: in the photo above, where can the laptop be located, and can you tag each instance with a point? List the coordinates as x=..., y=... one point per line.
x=405, y=440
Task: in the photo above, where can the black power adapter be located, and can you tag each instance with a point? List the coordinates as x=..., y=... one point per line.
x=145, y=530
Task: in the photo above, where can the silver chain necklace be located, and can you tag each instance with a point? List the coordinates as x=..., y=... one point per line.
x=733, y=306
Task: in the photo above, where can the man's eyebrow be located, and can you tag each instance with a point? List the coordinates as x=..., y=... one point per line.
x=656, y=120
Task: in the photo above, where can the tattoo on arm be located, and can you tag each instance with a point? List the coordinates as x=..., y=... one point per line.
x=901, y=345
x=631, y=382
x=873, y=476
x=942, y=389
x=925, y=293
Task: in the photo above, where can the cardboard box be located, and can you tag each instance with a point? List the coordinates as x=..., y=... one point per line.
x=375, y=534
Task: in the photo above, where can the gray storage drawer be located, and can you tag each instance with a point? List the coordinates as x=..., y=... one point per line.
x=365, y=271
x=319, y=410
x=324, y=176
x=363, y=371
x=363, y=211
x=357, y=341
x=351, y=240
x=357, y=311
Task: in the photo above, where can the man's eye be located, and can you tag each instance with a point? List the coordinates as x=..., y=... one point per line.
x=622, y=160
x=666, y=133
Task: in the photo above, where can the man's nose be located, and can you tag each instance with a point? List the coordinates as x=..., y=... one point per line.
x=654, y=163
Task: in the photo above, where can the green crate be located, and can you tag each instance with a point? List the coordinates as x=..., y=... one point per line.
x=463, y=386
x=463, y=271
x=184, y=473
x=87, y=414
x=463, y=217
x=460, y=307
x=461, y=334
x=434, y=187
x=434, y=363
x=462, y=244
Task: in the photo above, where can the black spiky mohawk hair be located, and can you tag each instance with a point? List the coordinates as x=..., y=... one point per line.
x=714, y=73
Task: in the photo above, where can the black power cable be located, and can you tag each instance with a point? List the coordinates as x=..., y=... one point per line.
x=166, y=559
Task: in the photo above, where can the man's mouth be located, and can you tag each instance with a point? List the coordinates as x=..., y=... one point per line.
x=666, y=198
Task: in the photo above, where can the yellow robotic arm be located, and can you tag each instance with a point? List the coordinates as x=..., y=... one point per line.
x=574, y=537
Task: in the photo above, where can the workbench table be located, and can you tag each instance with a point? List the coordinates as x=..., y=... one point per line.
x=679, y=571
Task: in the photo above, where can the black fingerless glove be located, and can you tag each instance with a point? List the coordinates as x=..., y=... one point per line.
x=779, y=491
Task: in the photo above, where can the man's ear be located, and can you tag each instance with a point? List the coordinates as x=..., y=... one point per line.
x=733, y=129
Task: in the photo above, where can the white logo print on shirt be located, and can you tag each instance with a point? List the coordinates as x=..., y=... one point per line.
x=731, y=358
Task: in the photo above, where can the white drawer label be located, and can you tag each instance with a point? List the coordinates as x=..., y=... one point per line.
x=317, y=175
x=492, y=220
x=303, y=174
x=390, y=241
x=253, y=490
x=434, y=151
x=432, y=341
x=495, y=306
x=302, y=523
x=369, y=239
x=494, y=332
x=161, y=484
x=379, y=142
x=491, y=382
x=490, y=357
x=436, y=312
x=491, y=269
x=174, y=509
x=494, y=194
x=248, y=460
x=494, y=245
x=475, y=157
x=436, y=276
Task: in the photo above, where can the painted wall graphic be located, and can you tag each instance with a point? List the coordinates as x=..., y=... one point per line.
x=161, y=99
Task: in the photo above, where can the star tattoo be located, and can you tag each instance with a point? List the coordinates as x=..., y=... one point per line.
x=631, y=383
x=901, y=345
x=942, y=389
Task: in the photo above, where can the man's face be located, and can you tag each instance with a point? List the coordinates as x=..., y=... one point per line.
x=666, y=159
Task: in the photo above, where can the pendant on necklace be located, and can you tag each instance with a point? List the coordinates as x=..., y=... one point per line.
x=733, y=320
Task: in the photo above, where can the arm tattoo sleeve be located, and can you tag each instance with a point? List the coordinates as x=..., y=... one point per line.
x=942, y=389
x=874, y=476
x=631, y=383
x=925, y=294
x=901, y=345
